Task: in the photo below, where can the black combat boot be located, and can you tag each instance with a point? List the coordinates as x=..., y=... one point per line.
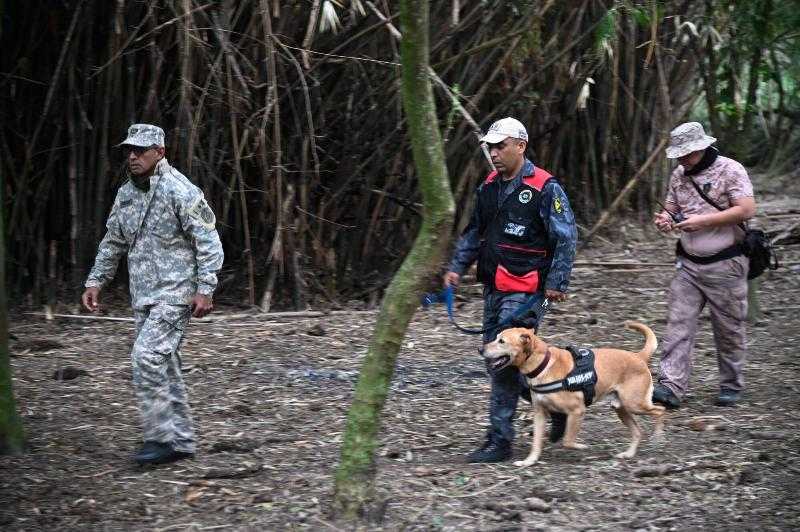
x=492, y=451
x=665, y=396
x=727, y=397
x=153, y=452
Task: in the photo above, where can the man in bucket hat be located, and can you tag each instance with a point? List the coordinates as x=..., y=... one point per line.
x=164, y=225
x=522, y=233
x=711, y=269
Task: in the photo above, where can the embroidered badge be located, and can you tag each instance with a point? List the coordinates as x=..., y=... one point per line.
x=557, y=205
x=514, y=229
x=525, y=196
x=203, y=213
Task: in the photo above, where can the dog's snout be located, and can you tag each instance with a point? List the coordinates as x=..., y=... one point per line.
x=480, y=350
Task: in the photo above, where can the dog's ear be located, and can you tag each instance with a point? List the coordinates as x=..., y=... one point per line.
x=525, y=340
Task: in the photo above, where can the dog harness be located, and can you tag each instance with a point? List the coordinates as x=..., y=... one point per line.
x=582, y=378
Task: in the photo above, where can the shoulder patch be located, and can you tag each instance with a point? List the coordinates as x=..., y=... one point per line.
x=201, y=212
x=557, y=205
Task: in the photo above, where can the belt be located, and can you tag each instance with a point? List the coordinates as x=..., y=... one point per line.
x=727, y=253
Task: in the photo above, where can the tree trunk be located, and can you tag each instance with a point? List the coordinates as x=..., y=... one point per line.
x=355, y=476
x=12, y=439
x=753, y=303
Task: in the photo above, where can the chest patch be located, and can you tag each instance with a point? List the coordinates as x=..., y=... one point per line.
x=514, y=229
x=525, y=196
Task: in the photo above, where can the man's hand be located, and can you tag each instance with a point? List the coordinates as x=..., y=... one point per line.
x=555, y=295
x=201, y=305
x=451, y=279
x=663, y=221
x=91, y=298
x=693, y=223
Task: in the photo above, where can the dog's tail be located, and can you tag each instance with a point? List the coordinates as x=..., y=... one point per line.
x=650, y=340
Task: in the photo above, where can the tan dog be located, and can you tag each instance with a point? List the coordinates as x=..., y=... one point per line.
x=621, y=373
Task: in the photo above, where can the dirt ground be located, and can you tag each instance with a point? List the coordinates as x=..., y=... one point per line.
x=270, y=395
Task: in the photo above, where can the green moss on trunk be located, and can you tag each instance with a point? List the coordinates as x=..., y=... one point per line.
x=355, y=476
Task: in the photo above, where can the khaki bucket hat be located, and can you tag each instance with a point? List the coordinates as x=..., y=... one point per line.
x=687, y=138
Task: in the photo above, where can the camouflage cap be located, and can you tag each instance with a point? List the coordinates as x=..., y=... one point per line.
x=687, y=138
x=144, y=135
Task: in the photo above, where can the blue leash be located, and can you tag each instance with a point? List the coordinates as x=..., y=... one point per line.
x=447, y=297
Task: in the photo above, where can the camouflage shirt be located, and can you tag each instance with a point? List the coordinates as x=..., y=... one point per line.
x=169, y=233
x=724, y=181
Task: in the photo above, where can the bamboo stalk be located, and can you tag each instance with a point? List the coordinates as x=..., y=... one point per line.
x=276, y=251
x=237, y=146
x=629, y=186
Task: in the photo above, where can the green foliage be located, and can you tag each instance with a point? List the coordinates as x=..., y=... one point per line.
x=728, y=109
x=756, y=50
x=639, y=14
x=606, y=31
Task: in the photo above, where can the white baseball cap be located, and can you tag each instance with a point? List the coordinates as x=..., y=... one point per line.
x=504, y=128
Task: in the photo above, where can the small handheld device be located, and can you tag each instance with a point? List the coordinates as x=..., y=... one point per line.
x=677, y=217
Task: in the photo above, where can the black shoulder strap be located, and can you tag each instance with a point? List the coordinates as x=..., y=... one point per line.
x=711, y=202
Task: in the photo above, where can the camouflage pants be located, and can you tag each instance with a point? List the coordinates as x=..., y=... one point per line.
x=157, y=375
x=723, y=287
x=508, y=383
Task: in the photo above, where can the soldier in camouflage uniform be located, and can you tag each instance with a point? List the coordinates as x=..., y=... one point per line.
x=163, y=223
x=522, y=233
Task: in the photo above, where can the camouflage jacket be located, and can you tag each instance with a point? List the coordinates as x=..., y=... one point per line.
x=169, y=233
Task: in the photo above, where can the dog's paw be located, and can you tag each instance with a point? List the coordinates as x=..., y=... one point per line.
x=524, y=463
x=576, y=446
x=626, y=455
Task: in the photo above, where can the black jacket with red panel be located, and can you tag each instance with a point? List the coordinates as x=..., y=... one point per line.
x=521, y=232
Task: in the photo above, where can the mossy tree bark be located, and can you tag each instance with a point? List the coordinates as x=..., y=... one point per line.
x=355, y=476
x=12, y=439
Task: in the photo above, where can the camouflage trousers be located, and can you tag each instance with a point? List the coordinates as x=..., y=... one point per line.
x=157, y=375
x=508, y=383
x=723, y=287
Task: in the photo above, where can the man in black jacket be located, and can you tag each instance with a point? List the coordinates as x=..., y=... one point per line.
x=522, y=233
